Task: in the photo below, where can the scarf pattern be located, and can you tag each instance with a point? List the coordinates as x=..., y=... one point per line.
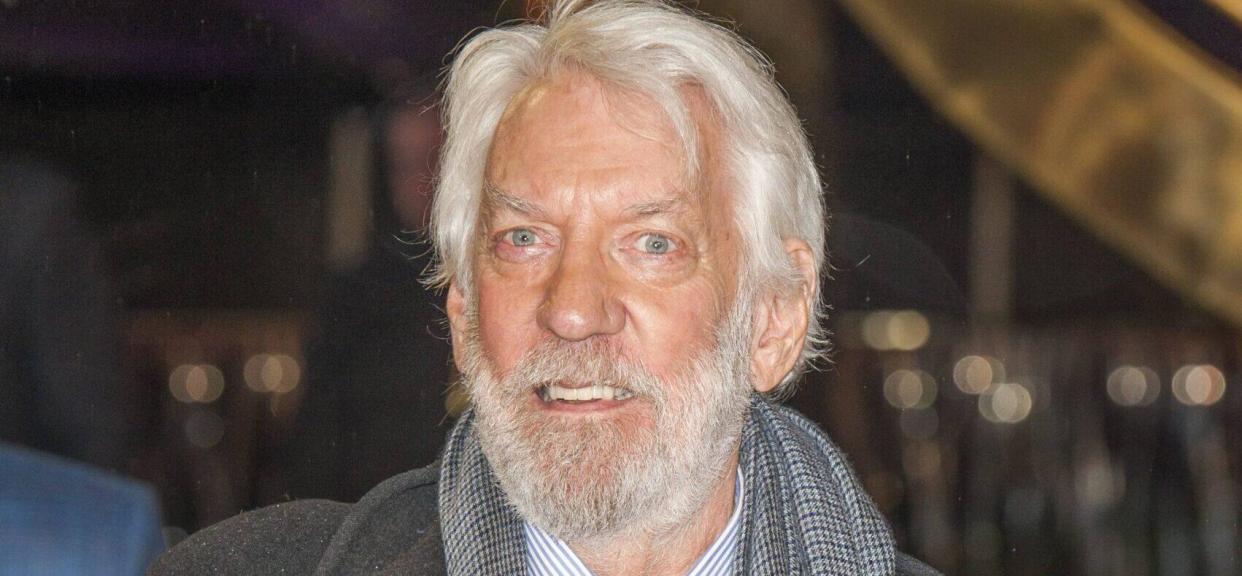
x=805, y=512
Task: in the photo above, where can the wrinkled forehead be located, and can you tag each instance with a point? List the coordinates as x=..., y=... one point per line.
x=545, y=114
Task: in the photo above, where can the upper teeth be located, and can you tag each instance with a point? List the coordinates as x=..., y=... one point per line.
x=596, y=392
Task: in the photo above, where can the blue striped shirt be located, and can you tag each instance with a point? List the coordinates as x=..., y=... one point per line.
x=547, y=555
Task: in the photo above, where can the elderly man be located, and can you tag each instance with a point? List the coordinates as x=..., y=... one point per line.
x=630, y=230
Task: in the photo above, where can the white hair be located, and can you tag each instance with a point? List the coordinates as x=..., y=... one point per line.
x=656, y=49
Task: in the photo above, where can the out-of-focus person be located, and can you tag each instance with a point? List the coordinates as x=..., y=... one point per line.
x=378, y=359
x=61, y=384
x=61, y=518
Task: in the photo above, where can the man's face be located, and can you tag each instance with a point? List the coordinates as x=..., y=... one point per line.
x=592, y=232
x=596, y=345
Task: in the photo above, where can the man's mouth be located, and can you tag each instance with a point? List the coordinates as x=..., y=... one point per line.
x=550, y=393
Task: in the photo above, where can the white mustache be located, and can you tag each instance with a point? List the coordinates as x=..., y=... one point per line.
x=580, y=363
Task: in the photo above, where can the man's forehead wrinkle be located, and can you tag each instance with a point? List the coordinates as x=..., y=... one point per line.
x=577, y=116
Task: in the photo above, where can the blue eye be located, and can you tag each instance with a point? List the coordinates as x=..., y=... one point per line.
x=655, y=243
x=521, y=237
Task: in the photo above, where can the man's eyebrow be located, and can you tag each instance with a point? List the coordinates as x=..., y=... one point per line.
x=658, y=207
x=497, y=197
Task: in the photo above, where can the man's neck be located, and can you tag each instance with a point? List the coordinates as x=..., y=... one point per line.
x=671, y=550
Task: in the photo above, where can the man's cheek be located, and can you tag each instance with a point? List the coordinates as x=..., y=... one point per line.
x=505, y=334
x=672, y=330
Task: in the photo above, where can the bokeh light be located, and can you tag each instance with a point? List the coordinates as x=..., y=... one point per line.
x=904, y=330
x=1006, y=403
x=275, y=373
x=976, y=374
x=204, y=428
x=1098, y=484
x=1198, y=385
x=1133, y=386
x=196, y=383
x=908, y=330
x=905, y=389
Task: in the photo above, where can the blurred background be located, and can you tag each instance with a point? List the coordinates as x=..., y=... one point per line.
x=210, y=248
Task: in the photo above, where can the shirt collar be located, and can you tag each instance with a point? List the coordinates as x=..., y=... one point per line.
x=547, y=555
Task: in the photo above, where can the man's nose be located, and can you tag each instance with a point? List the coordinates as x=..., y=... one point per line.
x=580, y=301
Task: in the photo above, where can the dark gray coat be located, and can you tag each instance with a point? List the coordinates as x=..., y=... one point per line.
x=394, y=529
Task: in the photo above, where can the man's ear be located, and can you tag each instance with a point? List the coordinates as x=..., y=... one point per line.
x=781, y=320
x=455, y=305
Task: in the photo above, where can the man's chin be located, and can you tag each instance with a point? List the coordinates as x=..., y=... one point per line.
x=572, y=480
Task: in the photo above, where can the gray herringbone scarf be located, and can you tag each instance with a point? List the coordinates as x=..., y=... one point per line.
x=805, y=512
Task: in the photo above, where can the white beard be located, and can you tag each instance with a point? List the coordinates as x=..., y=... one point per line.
x=587, y=478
